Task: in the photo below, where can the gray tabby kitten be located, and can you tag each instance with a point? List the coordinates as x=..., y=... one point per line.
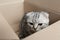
x=33, y=22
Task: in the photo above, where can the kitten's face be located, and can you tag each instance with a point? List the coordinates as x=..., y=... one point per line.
x=37, y=20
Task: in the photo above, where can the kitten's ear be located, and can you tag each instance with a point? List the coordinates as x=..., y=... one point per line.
x=45, y=14
x=28, y=14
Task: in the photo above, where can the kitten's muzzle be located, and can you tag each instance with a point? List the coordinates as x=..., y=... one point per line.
x=34, y=28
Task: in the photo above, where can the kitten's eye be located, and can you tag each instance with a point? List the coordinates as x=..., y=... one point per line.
x=40, y=24
x=31, y=23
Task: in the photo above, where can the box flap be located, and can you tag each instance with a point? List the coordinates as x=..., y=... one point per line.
x=13, y=12
x=50, y=33
x=6, y=32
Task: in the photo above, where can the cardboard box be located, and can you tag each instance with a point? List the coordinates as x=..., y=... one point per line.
x=12, y=11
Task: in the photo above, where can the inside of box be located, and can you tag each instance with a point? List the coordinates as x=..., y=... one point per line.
x=53, y=15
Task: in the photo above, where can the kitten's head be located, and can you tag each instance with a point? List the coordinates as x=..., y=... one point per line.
x=37, y=20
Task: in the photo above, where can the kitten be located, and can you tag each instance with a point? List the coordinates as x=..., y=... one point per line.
x=33, y=22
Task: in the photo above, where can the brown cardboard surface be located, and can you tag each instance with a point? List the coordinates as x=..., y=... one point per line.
x=13, y=11
x=52, y=32
x=6, y=31
x=51, y=4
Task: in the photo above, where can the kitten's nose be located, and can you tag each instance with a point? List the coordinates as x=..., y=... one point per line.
x=35, y=26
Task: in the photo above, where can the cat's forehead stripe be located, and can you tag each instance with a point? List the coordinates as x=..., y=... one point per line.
x=35, y=17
